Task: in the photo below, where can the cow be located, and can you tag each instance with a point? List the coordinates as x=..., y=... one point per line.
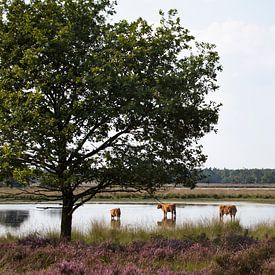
x=168, y=207
x=228, y=210
x=115, y=212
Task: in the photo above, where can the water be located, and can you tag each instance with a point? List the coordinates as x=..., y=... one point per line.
x=22, y=219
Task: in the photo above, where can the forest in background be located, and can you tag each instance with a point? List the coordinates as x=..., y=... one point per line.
x=243, y=176
x=212, y=175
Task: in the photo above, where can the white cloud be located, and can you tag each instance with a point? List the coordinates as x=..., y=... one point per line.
x=210, y=1
x=247, y=92
x=252, y=45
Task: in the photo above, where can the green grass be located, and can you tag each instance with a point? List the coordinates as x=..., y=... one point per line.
x=100, y=232
x=206, y=229
x=263, y=230
x=8, y=238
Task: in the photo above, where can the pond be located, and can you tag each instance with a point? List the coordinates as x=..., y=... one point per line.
x=22, y=219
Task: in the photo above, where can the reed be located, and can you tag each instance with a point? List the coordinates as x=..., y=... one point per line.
x=209, y=229
x=263, y=230
x=7, y=238
x=205, y=229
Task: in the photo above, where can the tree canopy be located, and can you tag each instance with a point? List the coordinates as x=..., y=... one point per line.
x=117, y=106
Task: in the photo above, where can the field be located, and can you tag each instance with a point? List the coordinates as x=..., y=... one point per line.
x=199, y=193
x=220, y=193
x=206, y=248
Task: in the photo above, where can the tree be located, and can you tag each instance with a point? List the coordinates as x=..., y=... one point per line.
x=90, y=106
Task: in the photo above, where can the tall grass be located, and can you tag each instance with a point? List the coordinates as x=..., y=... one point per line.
x=205, y=229
x=263, y=230
x=100, y=232
x=8, y=238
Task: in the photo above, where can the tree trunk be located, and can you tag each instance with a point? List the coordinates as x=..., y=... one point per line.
x=66, y=219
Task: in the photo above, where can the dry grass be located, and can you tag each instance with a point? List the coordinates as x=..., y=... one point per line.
x=199, y=193
x=24, y=194
x=221, y=191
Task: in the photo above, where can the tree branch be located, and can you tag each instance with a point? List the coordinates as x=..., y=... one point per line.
x=106, y=144
x=82, y=142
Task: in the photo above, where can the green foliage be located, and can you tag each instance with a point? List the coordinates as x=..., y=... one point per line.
x=84, y=100
x=11, y=172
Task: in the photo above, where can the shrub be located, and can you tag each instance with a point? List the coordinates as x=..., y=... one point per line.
x=33, y=241
x=235, y=242
x=71, y=268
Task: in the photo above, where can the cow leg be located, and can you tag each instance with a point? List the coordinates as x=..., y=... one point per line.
x=174, y=214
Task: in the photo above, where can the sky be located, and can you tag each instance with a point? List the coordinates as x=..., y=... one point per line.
x=244, y=33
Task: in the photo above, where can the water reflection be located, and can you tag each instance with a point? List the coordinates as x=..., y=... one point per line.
x=115, y=224
x=27, y=218
x=167, y=222
x=13, y=218
x=54, y=212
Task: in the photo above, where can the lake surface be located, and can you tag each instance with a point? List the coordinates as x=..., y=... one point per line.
x=22, y=219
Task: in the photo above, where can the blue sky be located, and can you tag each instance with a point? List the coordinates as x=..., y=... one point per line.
x=244, y=33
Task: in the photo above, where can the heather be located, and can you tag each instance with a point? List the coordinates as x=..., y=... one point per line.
x=229, y=249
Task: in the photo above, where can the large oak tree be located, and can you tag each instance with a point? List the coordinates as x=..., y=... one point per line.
x=90, y=106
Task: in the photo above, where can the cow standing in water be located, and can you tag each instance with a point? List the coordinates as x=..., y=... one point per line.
x=228, y=210
x=168, y=207
x=115, y=212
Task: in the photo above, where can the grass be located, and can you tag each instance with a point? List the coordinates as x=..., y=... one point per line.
x=206, y=229
x=202, y=194
x=263, y=230
x=8, y=238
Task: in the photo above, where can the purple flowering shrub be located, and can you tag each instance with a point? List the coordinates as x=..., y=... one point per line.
x=249, y=260
x=33, y=241
x=269, y=266
x=232, y=254
x=236, y=242
x=71, y=267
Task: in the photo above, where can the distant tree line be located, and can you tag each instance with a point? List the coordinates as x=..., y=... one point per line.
x=244, y=176
x=208, y=175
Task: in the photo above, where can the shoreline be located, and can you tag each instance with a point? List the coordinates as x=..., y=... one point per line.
x=195, y=201
x=170, y=194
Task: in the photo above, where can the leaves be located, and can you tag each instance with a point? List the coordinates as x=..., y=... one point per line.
x=85, y=100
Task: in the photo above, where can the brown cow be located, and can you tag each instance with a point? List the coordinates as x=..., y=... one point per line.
x=115, y=212
x=228, y=210
x=168, y=207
